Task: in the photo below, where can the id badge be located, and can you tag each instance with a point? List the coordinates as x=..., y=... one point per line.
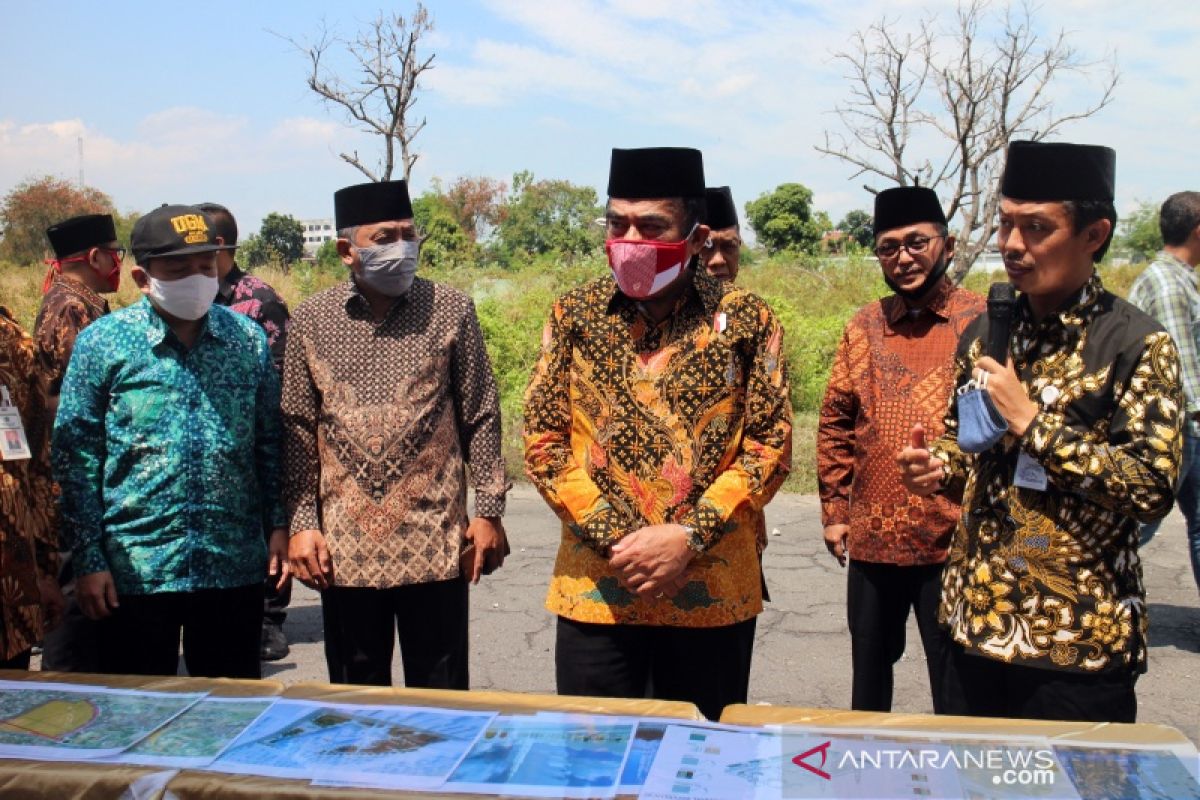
x=1030, y=474
x=14, y=446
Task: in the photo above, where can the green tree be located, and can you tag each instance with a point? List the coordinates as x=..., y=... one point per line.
x=1140, y=235
x=548, y=216
x=328, y=259
x=446, y=243
x=284, y=234
x=859, y=226
x=36, y=204
x=254, y=251
x=784, y=220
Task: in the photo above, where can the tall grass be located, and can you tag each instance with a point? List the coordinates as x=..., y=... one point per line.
x=812, y=297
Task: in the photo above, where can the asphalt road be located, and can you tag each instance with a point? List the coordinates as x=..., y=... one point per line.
x=802, y=655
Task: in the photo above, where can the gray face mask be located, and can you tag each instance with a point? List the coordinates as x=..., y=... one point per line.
x=389, y=268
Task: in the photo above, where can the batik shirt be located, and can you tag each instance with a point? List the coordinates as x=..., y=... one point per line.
x=1169, y=291
x=629, y=424
x=168, y=457
x=1052, y=578
x=381, y=419
x=67, y=308
x=27, y=543
x=251, y=296
x=894, y=368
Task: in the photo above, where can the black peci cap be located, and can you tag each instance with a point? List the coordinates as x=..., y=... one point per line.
x=366, y=203
x=77, y=234
x=654, y=172
x=906, y=205
x=721, y=212
x=1059, y=171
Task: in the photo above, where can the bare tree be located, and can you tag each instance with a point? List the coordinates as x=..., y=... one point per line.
x=381, y=100
x=957, y=98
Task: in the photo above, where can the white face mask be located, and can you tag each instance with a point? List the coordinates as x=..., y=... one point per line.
x=389, y=268
x=186, y=298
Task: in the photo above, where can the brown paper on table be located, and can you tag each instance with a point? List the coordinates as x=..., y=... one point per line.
x=85, y=780
x=1106, y=733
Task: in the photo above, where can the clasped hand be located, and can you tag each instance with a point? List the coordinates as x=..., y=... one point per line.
x=652, y=561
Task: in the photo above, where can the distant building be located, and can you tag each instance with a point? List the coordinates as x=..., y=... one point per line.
x=316, y=233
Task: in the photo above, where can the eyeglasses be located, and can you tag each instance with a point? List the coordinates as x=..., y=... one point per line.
x=914, y=245
x=118, y=253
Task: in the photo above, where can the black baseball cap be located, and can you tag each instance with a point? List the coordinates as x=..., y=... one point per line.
x=172, y=231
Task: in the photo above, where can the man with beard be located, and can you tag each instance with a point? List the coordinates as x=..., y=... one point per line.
x=1061, y=452
x=657, y=426
x=894, y=369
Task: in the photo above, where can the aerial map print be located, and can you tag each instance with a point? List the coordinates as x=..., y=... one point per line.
x=546, y=757
x=198, y=735
x=395, y=746
x=64, y=721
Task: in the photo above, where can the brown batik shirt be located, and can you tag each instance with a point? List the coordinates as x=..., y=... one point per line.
x=1047, y=574
x=893, y=369
x=67, y=308
x=380, y=420
x=27, y=541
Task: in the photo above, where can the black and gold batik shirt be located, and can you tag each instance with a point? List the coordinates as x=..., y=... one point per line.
x=1051, y=577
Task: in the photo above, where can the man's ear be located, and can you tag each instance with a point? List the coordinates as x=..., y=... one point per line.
x=344, y=252
x=949, y=250
x=141, y=278
x=1096, y=234
x=698, y=238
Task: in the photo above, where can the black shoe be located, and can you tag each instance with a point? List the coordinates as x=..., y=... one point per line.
x=274, y=643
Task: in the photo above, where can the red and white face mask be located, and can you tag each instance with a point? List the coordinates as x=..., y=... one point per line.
x=642, y=268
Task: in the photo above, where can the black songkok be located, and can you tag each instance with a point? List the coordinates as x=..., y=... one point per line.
x=1059, y=171
x=656, y=172
x=722, y=213
x=906, y=205
x=77, y=234
x=367, y=203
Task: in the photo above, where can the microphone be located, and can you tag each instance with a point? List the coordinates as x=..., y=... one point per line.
x=1002, y=297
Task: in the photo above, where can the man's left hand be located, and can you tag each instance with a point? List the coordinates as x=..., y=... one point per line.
x=1008, y=394
x=277, y=557
x=489, y=540
x=651, y=560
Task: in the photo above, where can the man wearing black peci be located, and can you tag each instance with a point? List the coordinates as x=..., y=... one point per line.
x=1043, y=587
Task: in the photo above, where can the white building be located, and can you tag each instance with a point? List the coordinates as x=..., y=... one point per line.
x=316, y=233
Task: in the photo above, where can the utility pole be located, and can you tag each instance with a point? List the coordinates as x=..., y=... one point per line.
x=79, y=141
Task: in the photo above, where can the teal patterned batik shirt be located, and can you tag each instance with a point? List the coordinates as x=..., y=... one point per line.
x=168, y=458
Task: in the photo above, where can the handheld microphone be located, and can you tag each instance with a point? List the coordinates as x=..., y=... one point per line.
x=1002, y=297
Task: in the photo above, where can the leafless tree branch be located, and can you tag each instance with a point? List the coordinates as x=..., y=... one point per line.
x=381, y=99
x=967, y=92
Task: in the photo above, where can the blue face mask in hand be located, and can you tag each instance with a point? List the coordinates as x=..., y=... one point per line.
x=980, y=424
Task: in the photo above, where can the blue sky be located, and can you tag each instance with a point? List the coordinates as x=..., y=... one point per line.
x=201, y=102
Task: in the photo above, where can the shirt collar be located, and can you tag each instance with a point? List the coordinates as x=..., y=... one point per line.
x=213, y=327
x=1175, y=261
x=78, y=288
x=1073, y=308
x=895, y=309
x=356, y=302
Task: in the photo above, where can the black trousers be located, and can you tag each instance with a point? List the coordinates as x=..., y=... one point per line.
x=706, y=666
x=275, y=601
x=361, y=625
x=878, y=599
x=221, y=630
x=19, y=661
x=986, y=687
